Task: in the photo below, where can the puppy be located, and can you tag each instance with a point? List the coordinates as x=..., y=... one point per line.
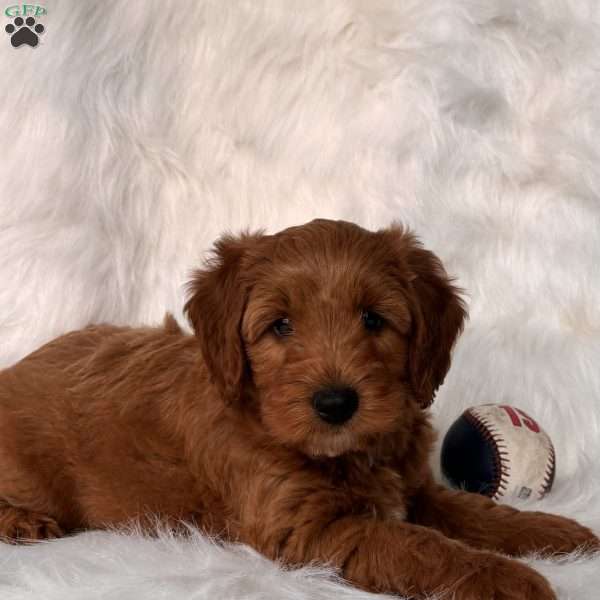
x=294, y=421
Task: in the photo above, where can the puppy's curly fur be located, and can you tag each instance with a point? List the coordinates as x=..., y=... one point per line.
x=109, y=424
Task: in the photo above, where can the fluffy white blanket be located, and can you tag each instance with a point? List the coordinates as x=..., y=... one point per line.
x=138, y=130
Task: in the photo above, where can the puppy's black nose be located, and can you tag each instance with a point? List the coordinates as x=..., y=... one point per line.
x=335, y=405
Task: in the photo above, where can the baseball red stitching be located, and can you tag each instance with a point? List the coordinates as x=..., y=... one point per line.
x=549, y=473
x=501, y=469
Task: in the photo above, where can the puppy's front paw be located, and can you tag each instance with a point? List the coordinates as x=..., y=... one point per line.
x=18, y=526
x=551, y=534
x=500, y=578
x=573, y=536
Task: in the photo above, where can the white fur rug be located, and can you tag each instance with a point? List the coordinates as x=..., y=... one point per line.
x=138, y=130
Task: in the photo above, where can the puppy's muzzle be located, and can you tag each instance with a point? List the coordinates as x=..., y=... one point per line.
x=335, y=405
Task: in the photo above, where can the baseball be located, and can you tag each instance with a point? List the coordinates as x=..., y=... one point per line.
x=499, y=451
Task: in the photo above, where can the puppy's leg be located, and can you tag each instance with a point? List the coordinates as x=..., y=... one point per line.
x=300, y=525
x=482, y=523
x=418, y=562
x=19, y=526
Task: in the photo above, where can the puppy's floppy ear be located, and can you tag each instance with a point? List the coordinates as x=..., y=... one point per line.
x=438, y=314
x=216, y=304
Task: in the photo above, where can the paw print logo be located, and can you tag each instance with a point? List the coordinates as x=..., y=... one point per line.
x=24, y=32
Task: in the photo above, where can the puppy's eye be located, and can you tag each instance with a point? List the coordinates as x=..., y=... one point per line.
x=283, y=327
x=372, y=321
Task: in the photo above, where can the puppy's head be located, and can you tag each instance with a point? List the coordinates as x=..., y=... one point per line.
x=341, y=334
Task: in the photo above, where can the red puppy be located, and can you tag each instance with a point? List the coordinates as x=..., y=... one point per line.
x=294, y=421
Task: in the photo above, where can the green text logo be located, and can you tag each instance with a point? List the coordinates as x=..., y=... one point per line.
x=24, y=10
